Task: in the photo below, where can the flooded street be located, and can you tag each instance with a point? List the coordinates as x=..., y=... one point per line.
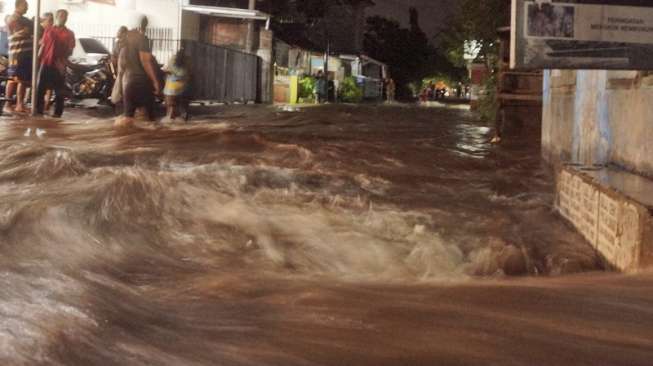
x=336, y=235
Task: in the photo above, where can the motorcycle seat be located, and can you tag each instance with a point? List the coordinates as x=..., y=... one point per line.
x=84, y=68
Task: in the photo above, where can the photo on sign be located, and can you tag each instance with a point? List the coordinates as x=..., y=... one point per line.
x=570, y=34
x=550, y=21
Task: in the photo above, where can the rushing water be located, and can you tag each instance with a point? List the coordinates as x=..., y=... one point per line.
x=329, y=236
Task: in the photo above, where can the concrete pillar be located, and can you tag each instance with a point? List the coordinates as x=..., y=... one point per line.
x=265, y=68
x=294, y=89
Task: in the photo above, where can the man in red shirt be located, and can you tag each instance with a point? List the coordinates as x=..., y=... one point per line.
x=56, y=46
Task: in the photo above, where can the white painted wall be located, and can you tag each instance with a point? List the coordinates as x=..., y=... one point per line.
x=89, y=18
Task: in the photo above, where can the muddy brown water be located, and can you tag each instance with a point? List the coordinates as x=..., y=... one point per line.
x=331, y=236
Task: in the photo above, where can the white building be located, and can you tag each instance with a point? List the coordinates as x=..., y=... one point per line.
x=169, y=20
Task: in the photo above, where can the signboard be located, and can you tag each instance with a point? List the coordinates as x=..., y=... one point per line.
x=582, y=34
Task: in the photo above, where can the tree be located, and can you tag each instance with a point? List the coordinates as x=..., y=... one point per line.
x=475, y=29
x=475, y=25
x=324, y=22
x=388, y=42
x=407, y=52
x=306, y=11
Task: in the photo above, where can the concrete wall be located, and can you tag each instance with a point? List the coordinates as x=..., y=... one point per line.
x=190, y=25
x=599, y=117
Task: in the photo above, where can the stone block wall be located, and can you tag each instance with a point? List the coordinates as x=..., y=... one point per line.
x=612, y=210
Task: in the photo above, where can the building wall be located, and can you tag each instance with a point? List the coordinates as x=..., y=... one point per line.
x=225, y=32
x=190, y=25
x=299, y=60
x=90, y=18
x=599, y=117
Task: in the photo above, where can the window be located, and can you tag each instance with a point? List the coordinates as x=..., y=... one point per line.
x=91, y=45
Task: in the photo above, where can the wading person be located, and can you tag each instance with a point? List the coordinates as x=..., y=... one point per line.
x=320, y=87
x=139, y=80
x=21, y=44
x=121, y=37
x=390, y=90
x=177, y=74
x=56, y=46
x=331, y=90
x=118, y=65
x=500, y=115
x=47, y=21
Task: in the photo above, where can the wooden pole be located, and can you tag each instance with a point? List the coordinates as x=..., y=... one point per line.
x=35, y=55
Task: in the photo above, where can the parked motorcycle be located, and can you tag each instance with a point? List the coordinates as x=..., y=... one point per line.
x=95, y=81
x=4, y=78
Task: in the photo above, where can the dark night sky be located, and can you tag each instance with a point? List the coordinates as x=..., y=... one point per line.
x=432, y=13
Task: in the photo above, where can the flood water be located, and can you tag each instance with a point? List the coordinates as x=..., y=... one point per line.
x=336, y=235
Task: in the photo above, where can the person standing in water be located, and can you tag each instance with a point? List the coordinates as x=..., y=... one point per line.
x=121, y=36
x=21, y=45
x=47, y=21
x=139, y=79
x=56, y=46
x=118, y=66
x=177, y=76
x=320, y=88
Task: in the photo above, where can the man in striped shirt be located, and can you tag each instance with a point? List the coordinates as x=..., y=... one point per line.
x=20, y=54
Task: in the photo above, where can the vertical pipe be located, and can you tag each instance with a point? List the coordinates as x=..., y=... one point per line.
x=249, y=46
x=35, y=55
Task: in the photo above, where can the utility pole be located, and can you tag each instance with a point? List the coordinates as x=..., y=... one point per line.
x=327, y=35
x=326, y=56
x=249, y=46
x=35, y=56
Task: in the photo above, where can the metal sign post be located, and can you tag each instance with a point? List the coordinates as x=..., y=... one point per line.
x=35, y=55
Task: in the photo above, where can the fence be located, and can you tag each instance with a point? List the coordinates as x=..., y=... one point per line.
x=162, y=49
x=372, y=88
x=219, y=74
x=222, y=74
x=162, y=39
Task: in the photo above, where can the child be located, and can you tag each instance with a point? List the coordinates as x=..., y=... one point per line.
x=177, y=76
